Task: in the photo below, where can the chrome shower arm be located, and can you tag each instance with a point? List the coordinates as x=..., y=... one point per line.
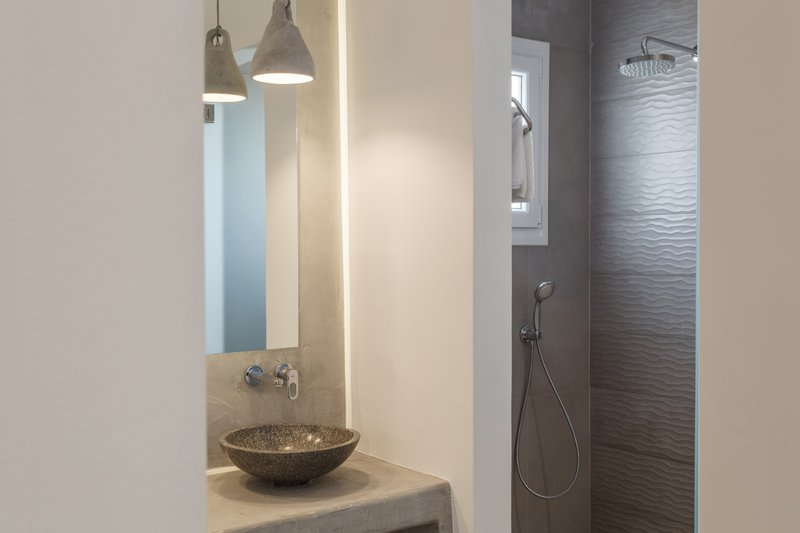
x=670, y=44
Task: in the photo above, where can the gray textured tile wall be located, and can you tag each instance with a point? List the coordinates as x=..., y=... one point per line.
x=547, y=455
x=643, y=263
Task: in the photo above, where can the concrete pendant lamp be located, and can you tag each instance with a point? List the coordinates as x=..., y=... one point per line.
x=224, y=81
x=282, y=56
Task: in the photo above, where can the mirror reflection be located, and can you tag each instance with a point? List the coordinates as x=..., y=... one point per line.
x=251, y=247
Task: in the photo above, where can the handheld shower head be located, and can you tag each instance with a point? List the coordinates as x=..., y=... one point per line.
x=544, y=291
x=531, y=333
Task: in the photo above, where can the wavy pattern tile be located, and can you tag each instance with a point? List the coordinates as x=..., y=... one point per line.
x=643, y=305
x=663, y=366
x=652, y=184
x=659, y=426
x=650, y=244
x=644, y=200
x=611, y=518
x=651, y=124
x=563, y=23
x=654, y=487
x=612, y=19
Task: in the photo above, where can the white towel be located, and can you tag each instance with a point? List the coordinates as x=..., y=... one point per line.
x=518, y=172
x=527, y=141
x=521, y=161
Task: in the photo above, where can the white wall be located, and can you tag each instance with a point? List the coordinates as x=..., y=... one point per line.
x=491, y=316
x=102, y=383
x=748, y=314
x=430, y=244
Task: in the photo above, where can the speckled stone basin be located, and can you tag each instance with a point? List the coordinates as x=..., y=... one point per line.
x=289, y=454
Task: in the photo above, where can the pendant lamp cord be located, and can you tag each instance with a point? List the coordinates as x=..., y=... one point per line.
x=219, y=33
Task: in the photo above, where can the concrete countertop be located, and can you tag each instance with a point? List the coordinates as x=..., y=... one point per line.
x=364, y=494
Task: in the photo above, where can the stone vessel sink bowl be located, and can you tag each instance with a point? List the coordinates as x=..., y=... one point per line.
x=289, y=454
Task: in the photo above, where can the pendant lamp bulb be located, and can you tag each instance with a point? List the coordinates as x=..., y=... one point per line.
x=224, y=80
x=282, y=56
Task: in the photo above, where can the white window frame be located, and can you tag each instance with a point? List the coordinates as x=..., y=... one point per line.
x=532, y=59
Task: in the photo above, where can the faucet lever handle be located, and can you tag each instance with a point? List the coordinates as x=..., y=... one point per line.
x=288, y=376
x=292, y=384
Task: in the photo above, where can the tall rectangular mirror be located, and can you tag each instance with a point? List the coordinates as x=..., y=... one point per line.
x=251, y=219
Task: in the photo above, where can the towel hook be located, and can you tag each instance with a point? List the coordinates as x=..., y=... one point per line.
x=524, y=114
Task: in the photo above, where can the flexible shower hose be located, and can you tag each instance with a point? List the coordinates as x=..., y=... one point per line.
x=536, y=348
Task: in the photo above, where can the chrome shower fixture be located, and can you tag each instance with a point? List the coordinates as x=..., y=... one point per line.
x=649, y=64
x=531, y=333
x=544, y=291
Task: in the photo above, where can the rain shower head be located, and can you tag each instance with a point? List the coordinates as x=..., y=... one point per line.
x=544, y=291
x=647, y=64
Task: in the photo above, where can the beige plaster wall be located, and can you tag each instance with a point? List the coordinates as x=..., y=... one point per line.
x=430, y=244
x=748, y=286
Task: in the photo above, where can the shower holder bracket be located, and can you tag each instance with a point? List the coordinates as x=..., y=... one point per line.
x=528, y=334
